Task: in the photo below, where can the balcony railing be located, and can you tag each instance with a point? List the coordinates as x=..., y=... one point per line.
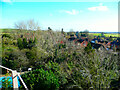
x=14, y=78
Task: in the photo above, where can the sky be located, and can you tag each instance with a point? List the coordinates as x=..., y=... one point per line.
x=74, y=15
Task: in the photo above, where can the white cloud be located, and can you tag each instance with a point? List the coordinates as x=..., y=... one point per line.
x=73, y=12
x=99, y=8
x=102, y=8
x=6, y=1
x=92, y=8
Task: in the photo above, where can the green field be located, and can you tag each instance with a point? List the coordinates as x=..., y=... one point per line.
x=106, y=35
x=6, y=31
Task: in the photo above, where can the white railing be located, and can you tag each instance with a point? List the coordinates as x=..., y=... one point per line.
x=14, y=78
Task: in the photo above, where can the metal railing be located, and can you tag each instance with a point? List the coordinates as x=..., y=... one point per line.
x=14, y=78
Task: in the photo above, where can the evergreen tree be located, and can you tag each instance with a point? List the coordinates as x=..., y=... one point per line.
x=20, y=43
x=31, y=43
x=62, y=31
x=110, y=38
x=25, y=43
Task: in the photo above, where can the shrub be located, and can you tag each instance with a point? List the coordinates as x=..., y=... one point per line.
x=55, y=67
x=19, y=43
x=41, y=79
x=25, y=43
x=22, y=43
x=6, y=35
x=6, y=84
x=88, y=49
x=115, y=84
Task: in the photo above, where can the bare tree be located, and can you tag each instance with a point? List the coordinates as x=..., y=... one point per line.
x=27, y=25
x=20, y=25
x=32, y=25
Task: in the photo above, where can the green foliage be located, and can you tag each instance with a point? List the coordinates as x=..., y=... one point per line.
x=62, y=31
x=6, y=84
x=49, y=28
x=115, y=83
x=62, y=46
x=88, y=49
x=25, y=44
x=32, y=56
x=6, y=35
x=91, y=72
x=20, y=43
x=14, y=58
x=41, y=79
x=63, y=63
x=52, y=66
x=8, y=60
x=6, y=41
x=31, y=43
x=86, y=32
x=102, y=34
x=55, y=67
x=110, y=38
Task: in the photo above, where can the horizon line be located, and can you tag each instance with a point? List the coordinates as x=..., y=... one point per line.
x=73, y=31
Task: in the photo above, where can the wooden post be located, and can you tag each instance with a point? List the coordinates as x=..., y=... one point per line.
x=15, y=81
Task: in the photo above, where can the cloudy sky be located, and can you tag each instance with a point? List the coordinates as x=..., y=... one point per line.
x=95, y=16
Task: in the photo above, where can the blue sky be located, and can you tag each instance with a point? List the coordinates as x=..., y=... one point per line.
x=94, y=16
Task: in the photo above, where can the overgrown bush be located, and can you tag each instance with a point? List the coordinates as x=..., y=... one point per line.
x=55, y=67
x=40, y=79
x=6, y=35
x=115, y=84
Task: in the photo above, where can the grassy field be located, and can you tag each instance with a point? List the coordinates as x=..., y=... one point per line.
x=106, y=35
x=113, y=35
x=7, y=31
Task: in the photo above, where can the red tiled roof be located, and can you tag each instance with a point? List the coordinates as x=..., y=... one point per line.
x=84, y=43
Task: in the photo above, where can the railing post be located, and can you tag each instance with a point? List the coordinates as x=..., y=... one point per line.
x=22, y=82
x=15, y=81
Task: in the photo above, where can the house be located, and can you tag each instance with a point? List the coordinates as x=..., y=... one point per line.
x=71, y=39
x=99, y=47
x=83, y=35
x=101, y=41
x=77, y=34
x=116, y=44
x=108, y=45
x=80, y=40
x=84, y=43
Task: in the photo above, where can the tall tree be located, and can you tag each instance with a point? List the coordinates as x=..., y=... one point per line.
x=86, y=32
x=27, y=25
x=20, y=43
x=25, y=44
